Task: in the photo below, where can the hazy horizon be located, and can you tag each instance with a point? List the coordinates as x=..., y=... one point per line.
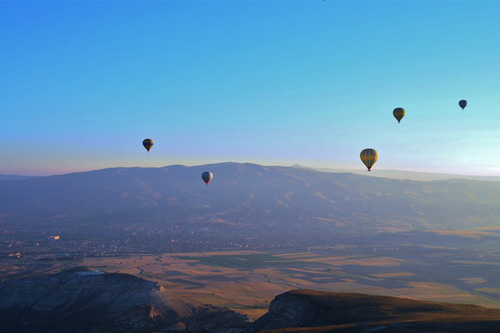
x=340, y=168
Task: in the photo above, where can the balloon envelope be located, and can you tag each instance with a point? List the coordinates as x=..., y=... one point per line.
x=148, y=144
x=462, y=103
x=369, y=156
x=399, y=113
x=207, y=176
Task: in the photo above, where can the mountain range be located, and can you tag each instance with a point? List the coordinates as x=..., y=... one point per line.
x=247, y=198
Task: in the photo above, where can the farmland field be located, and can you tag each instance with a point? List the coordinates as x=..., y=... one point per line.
x=247, y=281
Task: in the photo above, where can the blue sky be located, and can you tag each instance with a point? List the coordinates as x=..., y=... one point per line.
x=276, y=83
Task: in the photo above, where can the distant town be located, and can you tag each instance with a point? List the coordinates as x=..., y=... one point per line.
x=74, y=244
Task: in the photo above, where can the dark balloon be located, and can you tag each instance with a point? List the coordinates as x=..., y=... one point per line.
x=398, y=113
x=148, y=144
x=462, y=103
x=207, y=176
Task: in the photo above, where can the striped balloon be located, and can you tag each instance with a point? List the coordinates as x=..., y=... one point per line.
x=398, y=113
x=369, y=156
x=148, y=144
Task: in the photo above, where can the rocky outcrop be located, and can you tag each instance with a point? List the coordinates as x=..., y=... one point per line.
x=87, y=300
x=329, y=311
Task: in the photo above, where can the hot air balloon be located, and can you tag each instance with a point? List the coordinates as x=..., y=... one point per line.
x=207, y=177
x=148, y=144
x=462, y=103
x=369, y=156
x=398, y=113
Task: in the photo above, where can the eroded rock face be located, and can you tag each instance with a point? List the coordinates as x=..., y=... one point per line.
x=83, y=300
x=290, y=310
x=86, y=300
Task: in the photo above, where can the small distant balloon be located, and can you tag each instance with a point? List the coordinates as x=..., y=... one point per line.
x=462, y=103
x=148, y=144
x=369, y=156
x=207, y=177
x=399, y=113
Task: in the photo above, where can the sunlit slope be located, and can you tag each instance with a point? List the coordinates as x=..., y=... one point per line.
x=249, y=196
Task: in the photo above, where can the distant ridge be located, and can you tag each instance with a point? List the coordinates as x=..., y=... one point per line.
x=393, y=174
x=410, y=175
x=15, y=177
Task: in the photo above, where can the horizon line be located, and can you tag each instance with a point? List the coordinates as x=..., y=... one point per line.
x=295, y=165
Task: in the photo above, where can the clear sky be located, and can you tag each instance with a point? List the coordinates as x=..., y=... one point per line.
x=268, y=82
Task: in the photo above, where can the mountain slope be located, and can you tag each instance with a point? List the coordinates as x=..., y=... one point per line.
x=247, y=197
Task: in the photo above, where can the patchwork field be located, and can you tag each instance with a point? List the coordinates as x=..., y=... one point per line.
x=247, y=281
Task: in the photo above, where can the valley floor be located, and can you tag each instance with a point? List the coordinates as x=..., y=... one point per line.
x=247, y=281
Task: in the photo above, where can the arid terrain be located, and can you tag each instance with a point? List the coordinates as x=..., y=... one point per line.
x=246, y=281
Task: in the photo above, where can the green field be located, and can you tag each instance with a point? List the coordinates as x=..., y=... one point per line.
x=249, y=260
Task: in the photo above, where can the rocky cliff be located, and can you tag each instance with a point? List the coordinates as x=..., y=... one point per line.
x=317, y=311
x=87, y=300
